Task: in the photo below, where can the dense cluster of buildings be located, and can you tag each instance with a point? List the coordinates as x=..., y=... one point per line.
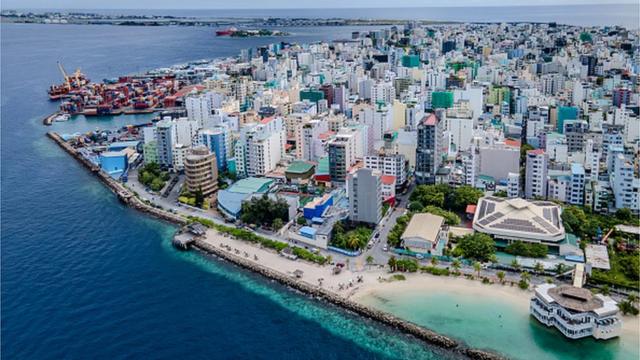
x=454, y=104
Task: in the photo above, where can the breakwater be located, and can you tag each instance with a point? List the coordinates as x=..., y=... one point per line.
x=317, y=292
x=125, y=195
x=128, y=197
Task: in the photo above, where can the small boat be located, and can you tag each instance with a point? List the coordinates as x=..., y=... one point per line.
x=62, y=118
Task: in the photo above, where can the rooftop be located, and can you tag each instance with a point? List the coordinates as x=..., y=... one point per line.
x=251, y=185
x=519, y=219
x=598, y=256
x=574, y=298
x=424, y=225
x=299, y=167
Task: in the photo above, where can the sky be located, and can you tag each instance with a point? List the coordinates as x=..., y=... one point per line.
x=278, y=4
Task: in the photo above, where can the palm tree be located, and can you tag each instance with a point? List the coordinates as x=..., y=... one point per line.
x=434, y=261
x=392, y=263
x=605, y=290
x=501, y=275
x=560, y=268
x=353, y=242
x=525, y=276
x=369, y=260
x=477, y=267
x=456, y=265
x=538, y=268
x=515, y=264
x=632, y=298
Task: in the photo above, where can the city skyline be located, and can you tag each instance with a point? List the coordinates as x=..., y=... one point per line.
x=289, y=4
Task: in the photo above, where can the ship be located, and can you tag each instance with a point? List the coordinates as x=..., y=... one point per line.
x=72, y=83
x=226, y=32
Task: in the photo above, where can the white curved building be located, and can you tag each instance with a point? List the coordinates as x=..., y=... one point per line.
x=576, y=312
x=518, y=219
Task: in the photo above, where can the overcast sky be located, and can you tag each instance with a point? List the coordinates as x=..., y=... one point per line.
x=277, y=4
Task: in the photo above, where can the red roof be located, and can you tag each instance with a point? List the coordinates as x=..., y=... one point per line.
x=266, y=120
x=326, y=135
x=388, y=179
x=512, y=142
x=471, y=209
x=187, y=89
x=430, y=119
x=536, y=152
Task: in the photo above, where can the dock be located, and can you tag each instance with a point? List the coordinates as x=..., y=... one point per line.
x=49, y=119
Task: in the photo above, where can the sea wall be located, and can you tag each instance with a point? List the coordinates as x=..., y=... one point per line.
x=129, y=198
x=385, y=318
x=125, y=195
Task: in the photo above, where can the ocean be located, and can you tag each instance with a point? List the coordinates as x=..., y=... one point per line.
x=627, y=15
x=85, y=277
x=82, y=276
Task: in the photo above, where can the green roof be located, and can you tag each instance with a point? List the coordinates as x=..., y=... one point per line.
x=251, y=185
x=323, y=166
x=299, y=167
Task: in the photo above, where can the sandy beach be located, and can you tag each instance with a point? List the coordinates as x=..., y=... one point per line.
x=416, y=284
x=375, y=281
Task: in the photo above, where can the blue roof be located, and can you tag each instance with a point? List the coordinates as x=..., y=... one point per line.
x=124, y=144
x=577, y=168
x=231, y=202
x=251, y=185
x=307, y=230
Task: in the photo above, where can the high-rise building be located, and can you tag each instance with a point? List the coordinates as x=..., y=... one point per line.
x=218, y=141
x=575, y=195
x=165, y=139
x=537, y=162
x=341, y=156
x=201, y=171
x=513, y=185
x=625, y=184
x=364, y=188
x=429, y=149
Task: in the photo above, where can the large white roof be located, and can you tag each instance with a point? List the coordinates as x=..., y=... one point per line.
x=519, y=219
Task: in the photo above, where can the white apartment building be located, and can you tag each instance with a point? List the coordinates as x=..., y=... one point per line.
x=260, y=147
x=537, y=162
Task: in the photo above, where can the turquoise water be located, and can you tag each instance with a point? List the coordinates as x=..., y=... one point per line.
x=499, y=325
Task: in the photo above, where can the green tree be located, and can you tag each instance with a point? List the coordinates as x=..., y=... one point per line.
x=369, y=260
x=500, y=193
x=515, y=264
x=434, y=261
x=477, y=246
x=605, y=290
x=301, y=220
x=456, y=265
x=277, y=224
x=560, y=268
x=465, y=195
x=392, y=263
x=538, y=268
x=199, y=196
x=525, y=276
x=450, y=218
x=477, y=267
x=415, y=206
x=624, y=215
x=501, y=275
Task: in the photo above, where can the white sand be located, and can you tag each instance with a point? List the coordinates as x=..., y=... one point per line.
x=372, y=286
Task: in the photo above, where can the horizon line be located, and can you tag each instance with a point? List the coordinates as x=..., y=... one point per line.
x=328, y=8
